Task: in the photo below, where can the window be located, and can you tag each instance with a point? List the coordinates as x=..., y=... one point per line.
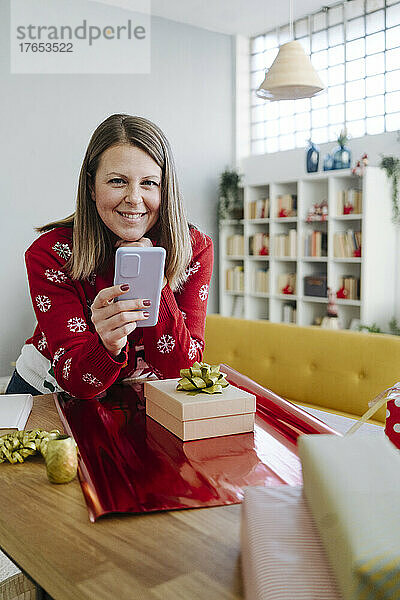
x=355, y=47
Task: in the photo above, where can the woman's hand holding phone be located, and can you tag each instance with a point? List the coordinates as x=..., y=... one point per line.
x=114, y=321
x=144, y=242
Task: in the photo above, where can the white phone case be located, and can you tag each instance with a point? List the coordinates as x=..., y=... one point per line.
x=143, y=269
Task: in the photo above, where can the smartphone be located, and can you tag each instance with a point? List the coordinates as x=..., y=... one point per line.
x=143, y=269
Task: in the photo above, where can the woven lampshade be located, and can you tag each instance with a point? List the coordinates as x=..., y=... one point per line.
x=291, y=75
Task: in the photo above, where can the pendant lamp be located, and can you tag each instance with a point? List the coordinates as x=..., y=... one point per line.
x=291, y=75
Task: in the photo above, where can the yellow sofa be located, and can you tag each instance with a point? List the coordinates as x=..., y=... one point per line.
x=337, y=371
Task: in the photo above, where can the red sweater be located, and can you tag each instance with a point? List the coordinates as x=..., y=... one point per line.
x=66, y=336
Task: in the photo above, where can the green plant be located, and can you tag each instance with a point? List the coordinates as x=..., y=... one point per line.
x=228, y=192
x=343, y=138
x=370, y=328
x=394, y=326
x=391, y=164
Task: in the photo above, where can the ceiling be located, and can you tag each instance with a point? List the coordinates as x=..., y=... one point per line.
x=247, y=17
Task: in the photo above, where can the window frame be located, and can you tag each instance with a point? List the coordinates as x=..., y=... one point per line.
x=345, y=96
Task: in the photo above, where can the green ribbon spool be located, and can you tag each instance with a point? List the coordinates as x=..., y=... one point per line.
x=202, y=377
x=15, y=447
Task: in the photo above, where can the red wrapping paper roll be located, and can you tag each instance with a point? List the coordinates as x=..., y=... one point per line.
x=273, y=406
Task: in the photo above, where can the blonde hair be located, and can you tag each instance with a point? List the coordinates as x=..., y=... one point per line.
x=93, y=248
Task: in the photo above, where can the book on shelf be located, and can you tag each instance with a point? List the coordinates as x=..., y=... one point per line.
x=235, y=245
x=234, y=279
x=259, y=244
x=237, y=308
x=347, y=244
x=260, y=281
x=315, y=244
x=287, y=283
x=288, y=313
x=258, y=209
x=349, y=287
x=349, y=202
x=286, y=205
x=285, y=245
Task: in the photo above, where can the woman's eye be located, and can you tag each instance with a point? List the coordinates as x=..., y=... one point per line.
x=150, y=182
x=117, y=180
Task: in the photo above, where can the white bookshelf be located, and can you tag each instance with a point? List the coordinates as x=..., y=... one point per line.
x=375, y=268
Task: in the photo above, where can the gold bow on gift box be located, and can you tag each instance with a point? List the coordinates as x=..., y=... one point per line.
x=202, y=377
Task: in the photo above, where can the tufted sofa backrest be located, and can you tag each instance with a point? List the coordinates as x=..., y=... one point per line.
x=332, y=369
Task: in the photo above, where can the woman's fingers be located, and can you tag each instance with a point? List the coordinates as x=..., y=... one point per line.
x=144, y=242
x=107, y=295
x=125, y=318
x=114, y=321
x=122, y=306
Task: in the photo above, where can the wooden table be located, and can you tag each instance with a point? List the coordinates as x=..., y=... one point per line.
x=45, y=528
x=182, y=555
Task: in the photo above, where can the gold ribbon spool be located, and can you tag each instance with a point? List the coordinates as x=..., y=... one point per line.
x=61, y=459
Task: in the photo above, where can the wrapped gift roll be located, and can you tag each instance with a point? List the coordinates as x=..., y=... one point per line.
x=352, y=487
x=282, y=555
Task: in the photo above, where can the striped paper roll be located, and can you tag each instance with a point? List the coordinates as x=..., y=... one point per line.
x=282, y=555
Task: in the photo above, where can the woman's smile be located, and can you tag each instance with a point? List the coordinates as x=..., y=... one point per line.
x=131, y=216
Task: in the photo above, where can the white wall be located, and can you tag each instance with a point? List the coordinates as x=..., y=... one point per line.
x=46, y=122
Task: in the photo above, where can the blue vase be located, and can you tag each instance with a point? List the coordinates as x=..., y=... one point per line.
x=328, y=162
x=342, y=158
x=312, y=158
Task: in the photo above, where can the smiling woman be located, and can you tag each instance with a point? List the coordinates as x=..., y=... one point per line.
x=128, y=195
x=128, y=201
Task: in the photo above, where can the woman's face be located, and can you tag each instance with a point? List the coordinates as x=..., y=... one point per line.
x=127, y=191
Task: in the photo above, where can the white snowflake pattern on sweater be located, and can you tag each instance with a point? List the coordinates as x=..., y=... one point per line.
x=63, y=250
x=91, y=380
x=203, y=292
x=55, y=276
x=184, y=315
x=92, y=279
x=76, y=324
x=166, y=344
x=43, y=303
x=57, y=355
x=42, y=343
x=192, y=349
x=67, y=368
x=192, y=268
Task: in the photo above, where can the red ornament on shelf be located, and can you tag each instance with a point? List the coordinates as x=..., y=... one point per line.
x=342, y=293
x=348, y=209
x=287, y=289
x=283, y=213
x=357, y=253
x=264, y=251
